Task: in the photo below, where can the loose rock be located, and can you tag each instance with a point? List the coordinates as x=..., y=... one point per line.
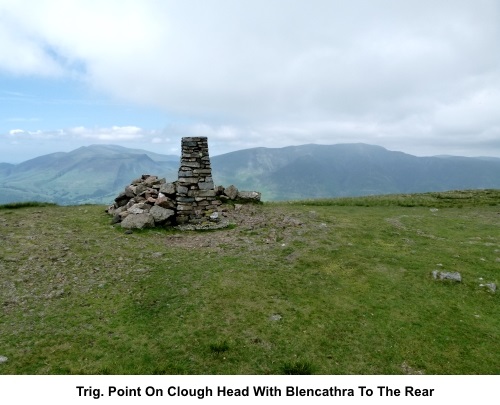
x=161, y=214
x=250, y=196
x=444, y=275
x=138, y=221
x=490, y=286
x=231, y=192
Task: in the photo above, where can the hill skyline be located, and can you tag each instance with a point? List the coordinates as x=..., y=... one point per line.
x=96, y=173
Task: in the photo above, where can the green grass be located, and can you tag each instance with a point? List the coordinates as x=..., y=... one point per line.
x=298, y=368
x=351, y=282
x=219, y=347
x=26, y=204
x=447, y=199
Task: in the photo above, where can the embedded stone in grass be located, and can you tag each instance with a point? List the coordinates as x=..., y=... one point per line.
x=3, y=359
x=445, y=275
x=275, y=317
x=490, y=286
x=408, y=370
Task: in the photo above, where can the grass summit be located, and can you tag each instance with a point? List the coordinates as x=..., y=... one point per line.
x=340, y=286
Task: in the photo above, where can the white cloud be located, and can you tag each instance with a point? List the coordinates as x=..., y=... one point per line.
x=418, y=75
x=115, y=133
x=160, y=140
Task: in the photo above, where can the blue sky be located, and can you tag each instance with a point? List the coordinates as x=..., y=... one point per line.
x=418, y=76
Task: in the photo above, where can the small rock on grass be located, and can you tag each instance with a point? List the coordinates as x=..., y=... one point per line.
x=445, y=275
x=490, y=286
x=3, y=359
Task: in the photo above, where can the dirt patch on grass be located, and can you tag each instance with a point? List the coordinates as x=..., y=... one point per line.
x=250, y=226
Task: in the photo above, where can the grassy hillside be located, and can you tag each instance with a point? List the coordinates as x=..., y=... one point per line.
x=320, y=286
x=92, y=174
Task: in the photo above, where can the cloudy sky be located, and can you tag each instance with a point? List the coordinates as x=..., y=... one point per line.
x=418, y=76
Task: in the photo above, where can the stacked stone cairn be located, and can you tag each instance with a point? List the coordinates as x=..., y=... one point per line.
x=148, y=201
x=193, y=199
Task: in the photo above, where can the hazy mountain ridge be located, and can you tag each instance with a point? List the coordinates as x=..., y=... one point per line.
x=90, y=174
x=313, y=171
x=97, y=173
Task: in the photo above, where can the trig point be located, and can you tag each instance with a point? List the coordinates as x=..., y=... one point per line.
x=195, y=186
x=191, y=201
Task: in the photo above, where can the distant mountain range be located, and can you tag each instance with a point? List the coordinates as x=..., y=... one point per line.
x=97, y=173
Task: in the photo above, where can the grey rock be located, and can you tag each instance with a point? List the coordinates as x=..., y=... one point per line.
x=253, y=196
x=191, y=164
x=151, y=180
x=168, y=189
x=141, y=188
x=206, y=185
x=185, y=199
x=219, y=190
x=130, y=191
x=135, y=209
x=3, y=359
x=204, y=172
x=188, y=180
x=185, y=172
x=121, y=200
x=205, y=193
x=165, y=202
x=231, y=192
x=138, y=221
x=490, y=286
x=275, y=317
x=444, y=275
x=161, y=214
x=123, y=214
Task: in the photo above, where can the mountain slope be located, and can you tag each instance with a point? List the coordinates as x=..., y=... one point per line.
x=313, y=171
x=96, y=174
x=93, y=174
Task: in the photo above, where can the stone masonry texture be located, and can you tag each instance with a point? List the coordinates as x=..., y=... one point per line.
x=195, y=186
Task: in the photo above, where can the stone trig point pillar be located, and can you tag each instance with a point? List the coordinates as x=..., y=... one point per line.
x=195, y=198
